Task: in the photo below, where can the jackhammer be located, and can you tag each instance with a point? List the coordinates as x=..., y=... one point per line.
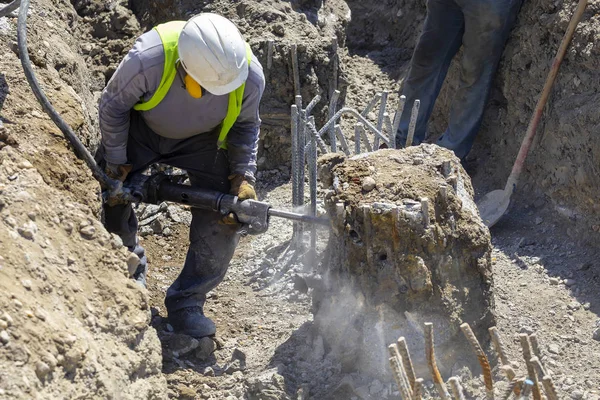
x=153, y=189
x=253, y=215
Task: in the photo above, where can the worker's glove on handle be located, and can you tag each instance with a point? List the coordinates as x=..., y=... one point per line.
x=118, y=172
x=244, y=190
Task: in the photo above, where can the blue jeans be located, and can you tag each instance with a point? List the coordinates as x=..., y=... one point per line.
x=482, y=28
x=211, y=244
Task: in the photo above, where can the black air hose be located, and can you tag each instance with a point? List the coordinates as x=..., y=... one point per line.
x=80, y=150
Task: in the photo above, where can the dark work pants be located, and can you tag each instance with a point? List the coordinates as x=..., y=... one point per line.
x=211, y=244
x=482, y=28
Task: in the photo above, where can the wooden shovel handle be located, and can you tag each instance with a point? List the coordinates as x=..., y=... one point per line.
x=537, y=114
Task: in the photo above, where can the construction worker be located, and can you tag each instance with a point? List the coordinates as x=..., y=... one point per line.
x=187, y=94
x=482, y=28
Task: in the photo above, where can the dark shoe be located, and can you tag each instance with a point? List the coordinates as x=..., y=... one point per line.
x=192, y=322
x=140, y=275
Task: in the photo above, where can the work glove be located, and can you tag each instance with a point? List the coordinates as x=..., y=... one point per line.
x=244, y=190
x=118, y=172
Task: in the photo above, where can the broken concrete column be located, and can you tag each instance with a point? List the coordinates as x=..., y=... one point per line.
x=407, y=247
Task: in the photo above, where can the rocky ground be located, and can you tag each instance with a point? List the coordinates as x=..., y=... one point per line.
x=68, y=331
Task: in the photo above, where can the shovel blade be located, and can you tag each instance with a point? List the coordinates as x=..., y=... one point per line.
x=493, y=206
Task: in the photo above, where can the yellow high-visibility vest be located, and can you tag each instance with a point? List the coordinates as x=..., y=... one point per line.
x=169, y=35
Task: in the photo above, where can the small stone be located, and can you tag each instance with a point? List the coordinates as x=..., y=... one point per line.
x=25, y=165
x=208, y=371
x=42, y=370
x=554, y=349
x=368, y=184
x=132, y=263
x=167, y=232
x=538, y=220
x=6, y=317
x=574, y=306
x=32, y=215
x=570, y=282
x=88, y=231
x=71, y=260
x=116, y=242
x=3, y=324
x=26, y=284
x=587, y=306
x=233, y=366
x=183, y=344
x=28, y=230
x=169, y=328
x=554, y=281
x=577, y=394
x=40, y=314
x=205, y=348
x=596, y=334
x=4, y=338
x=241, y=356
x=527, y=329
x=17, y=304
x=10, y=221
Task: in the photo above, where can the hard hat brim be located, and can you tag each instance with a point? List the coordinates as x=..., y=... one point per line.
x=219, y=89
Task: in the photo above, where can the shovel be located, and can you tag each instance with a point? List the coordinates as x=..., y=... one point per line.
x=494, y=204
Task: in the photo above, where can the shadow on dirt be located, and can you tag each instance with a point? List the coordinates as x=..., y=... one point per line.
x=537, y=237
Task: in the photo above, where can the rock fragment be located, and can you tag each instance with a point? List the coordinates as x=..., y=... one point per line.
x=4, y=337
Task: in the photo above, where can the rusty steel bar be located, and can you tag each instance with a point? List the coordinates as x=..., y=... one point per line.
x=358, y=127
x=343, y=142
x=549, y=388
x=482, y=358
x=294, y=125
x=510, y=389
x=312, y=179
x=413, y=123
x=382, y=106
x=532, y=375
x=433, y=369
x=332, y=109
x=399, y=373
x=457, y=390
x=408, y=364
x=498, y=346
x=334, y=48
x=295, y=70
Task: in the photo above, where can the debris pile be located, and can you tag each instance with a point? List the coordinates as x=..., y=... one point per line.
x=407, y=247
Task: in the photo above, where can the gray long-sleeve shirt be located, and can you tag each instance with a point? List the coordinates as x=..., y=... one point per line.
x=178, y=115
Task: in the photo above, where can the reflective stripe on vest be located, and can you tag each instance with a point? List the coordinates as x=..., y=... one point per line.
x=169, y=35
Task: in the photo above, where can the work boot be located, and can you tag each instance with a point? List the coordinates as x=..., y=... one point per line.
x=192, y=322
x=140, y=274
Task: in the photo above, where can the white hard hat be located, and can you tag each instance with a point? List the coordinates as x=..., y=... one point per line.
x=213, y=52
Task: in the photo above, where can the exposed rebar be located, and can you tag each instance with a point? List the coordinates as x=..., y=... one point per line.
x=301, y=156
x=295, y=71
x=531, y=374
x=400, y=372
x=370, y=105
x=343, y=141
x=413, y=123
x=358, y=127
x=270, y=53
x=549, y=388
x=332, y=108
x=510, y=389
x=417, y=392
x=294, y=125
x=312, y=181
x=334, y=49
x=366, y=140
x=498, y=346
x=398, y=115
x=9, y=8
x=482, y=358
x=317, y=137
x=408, y=364
x=538, y=366
x=433, y=369
x=528, y=387
x=382, y=106
x=387, y=121
x=457, y=390
x=312, y=104
x=366, y=122
x=395, y=364
x=535, y=346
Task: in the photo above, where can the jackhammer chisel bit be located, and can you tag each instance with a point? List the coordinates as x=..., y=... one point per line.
x=253, y=215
